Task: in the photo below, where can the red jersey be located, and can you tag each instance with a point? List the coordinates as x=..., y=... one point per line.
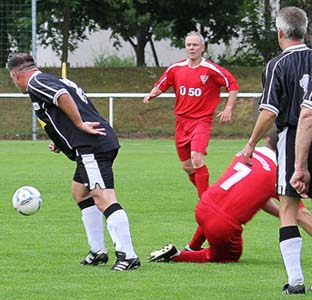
x=242, y=190
x=197, y=89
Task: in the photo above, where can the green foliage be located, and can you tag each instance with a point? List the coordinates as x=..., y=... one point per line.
x=15, y=28
x=42, y=252
x=259, y=37
x=113, y=61
x=62, y=24
x=242, y=57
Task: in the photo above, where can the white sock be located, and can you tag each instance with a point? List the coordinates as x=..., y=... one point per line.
x=92, y=219
x=291, y=253
x=119, y=230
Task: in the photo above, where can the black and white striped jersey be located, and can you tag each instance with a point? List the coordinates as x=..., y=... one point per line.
x=307, y=98
x=285, y=80
x=44, y=90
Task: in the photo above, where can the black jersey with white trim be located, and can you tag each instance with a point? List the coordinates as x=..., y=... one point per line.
x=44, y=90
x=307, y=98
x=285, y=80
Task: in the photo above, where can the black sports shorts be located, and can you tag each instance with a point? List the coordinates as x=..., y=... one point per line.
x=95, y=169
x=286, y=162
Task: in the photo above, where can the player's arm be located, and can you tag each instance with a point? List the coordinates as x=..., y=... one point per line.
x=156, y=91
x=304, y=219
x=264, y=122
x=66, y=103
x=226, y=115
x=271, y=208
x=301, y=178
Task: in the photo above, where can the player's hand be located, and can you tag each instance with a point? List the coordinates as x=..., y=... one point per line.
x=247, y=154
x=54, y=148
x=300, y=181
x=90, y=127
x=147, y=99
x=224, y=116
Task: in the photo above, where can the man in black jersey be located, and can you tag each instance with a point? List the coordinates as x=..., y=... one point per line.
x=82, y=134
x=285, y=79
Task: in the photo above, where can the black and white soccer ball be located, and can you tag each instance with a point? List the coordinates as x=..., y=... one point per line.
x=27, y=200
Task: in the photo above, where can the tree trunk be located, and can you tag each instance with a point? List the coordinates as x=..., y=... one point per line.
x=139, y=48
x=154, y=52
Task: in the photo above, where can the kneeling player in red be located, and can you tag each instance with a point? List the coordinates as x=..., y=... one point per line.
x=228, y=204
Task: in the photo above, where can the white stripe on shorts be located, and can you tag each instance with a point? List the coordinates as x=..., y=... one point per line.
x=281, y=147
x=93, y=172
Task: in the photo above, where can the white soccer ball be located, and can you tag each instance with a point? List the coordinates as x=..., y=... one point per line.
x=27, y=200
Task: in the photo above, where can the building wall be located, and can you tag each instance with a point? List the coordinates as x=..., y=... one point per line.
x=100, y=43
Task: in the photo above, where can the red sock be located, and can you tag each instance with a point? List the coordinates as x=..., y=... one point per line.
x=201, y=179
x=192, y=178
x=197, y=240
x=201, y=256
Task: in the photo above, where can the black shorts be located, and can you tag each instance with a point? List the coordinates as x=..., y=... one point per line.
x=286, y=162
x=95, y=169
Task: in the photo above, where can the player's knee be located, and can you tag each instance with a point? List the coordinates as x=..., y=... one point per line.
x=198, y=159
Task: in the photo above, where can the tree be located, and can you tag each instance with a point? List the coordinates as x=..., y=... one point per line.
x=259, y=38
x=218, y=20
x=15, y=28
x=140, y=21
x=133, y=20
x=62, y=24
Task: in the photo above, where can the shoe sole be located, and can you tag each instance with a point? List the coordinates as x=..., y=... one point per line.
x=165, y=256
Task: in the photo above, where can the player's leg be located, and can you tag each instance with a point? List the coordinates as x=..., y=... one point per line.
x=171, y=253
x=188, y=167
x=96, y=171
x=201, y=172
x=92, y=219
x=224, y=236
x=201, y=131
x=197, y=240
x=290, y=239
x=183, y=149
x=289, y=236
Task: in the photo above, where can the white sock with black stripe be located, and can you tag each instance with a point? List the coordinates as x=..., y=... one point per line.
x=92, y=219
x=119, y=230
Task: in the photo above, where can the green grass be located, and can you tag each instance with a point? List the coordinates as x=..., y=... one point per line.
x=40, y=254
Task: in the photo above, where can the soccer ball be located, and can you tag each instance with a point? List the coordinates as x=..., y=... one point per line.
x=27, y=200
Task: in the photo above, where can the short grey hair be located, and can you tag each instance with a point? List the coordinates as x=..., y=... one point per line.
x=196, y=33
x=293, y=22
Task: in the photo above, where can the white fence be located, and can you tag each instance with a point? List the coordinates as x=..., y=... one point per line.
x=111, y=97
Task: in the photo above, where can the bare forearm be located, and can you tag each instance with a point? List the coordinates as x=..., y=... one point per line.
x=303, y=138
x=231, y=100
x=264, y=122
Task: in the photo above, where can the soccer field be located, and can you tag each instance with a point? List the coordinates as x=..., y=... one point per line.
x=40, y=254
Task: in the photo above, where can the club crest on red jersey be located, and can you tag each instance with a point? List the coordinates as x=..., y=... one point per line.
x=204, y=78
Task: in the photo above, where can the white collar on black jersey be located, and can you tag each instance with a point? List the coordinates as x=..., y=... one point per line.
x=296, y=48
x=31, y=77
x=267, y=152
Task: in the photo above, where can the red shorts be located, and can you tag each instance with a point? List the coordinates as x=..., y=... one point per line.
x=192, y=135
x=223, y=234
